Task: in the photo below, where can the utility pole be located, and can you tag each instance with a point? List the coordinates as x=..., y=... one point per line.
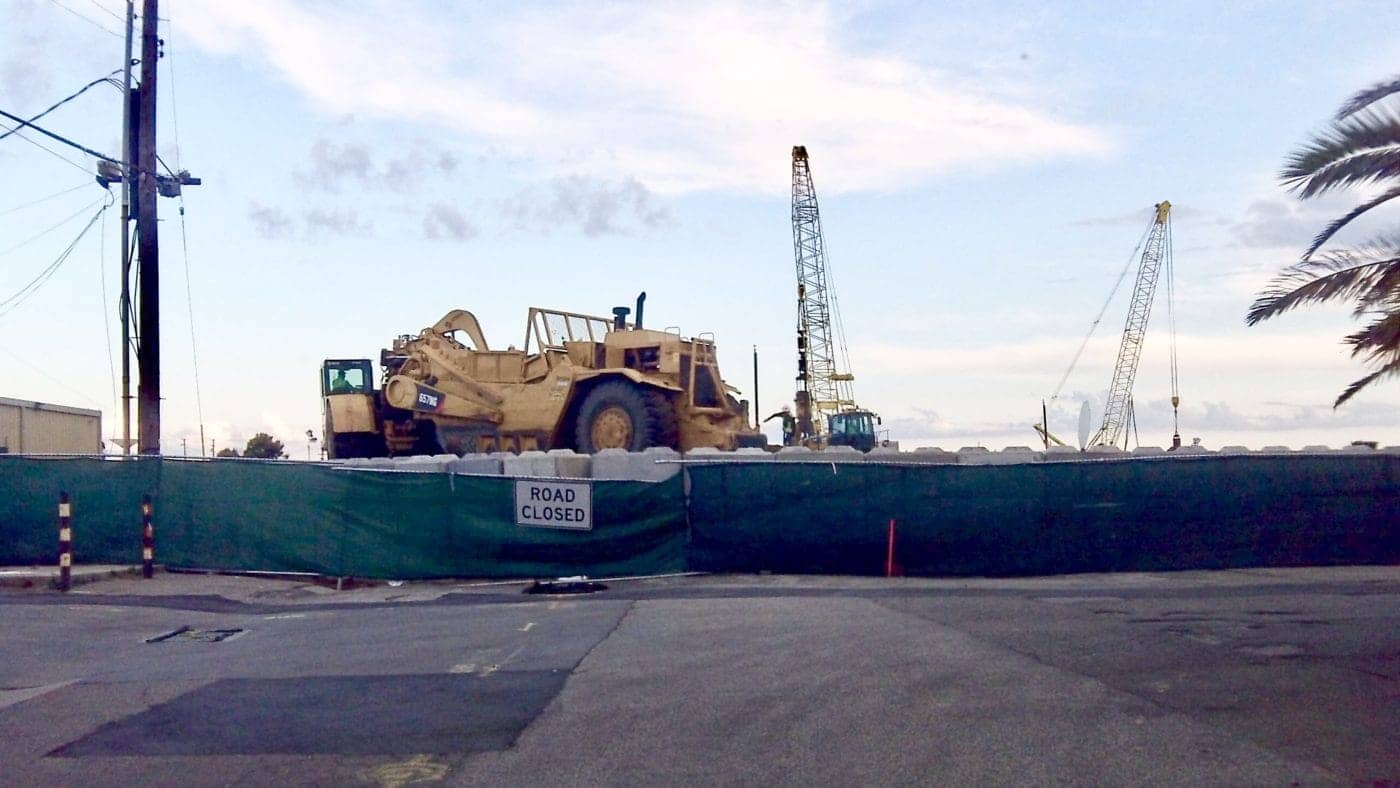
x=147, y=240
x=125, y=305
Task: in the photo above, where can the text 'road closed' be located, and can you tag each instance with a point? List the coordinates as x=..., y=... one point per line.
x=554, y=504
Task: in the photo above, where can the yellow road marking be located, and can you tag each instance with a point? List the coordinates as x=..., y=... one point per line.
x=418, y=769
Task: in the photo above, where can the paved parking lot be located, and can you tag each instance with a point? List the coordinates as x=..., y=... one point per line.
x=1258, y=676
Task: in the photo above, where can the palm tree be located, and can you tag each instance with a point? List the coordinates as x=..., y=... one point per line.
x=1360, y=148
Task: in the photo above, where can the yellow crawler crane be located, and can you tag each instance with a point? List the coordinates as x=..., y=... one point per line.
x=581, y=382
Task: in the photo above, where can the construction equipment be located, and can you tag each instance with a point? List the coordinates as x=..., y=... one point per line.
x=826, y=412
x=581, y=382
x=1119, y=411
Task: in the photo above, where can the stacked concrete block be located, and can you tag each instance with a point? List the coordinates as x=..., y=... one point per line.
x=1318, y=449
x=1190, y=451
x=476, y=464
x=569, y=464
x=931, y=455
x=1149, y=451
x=1012, y=455
x=1275, y=450
x=1234, y=450
x=528, y=463
x=652, y=465
x=1063, y=454
x=1359, y=448
x=1105, y=452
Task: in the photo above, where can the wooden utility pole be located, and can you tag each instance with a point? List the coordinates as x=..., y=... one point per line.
x=147, y=242
x=128, y=141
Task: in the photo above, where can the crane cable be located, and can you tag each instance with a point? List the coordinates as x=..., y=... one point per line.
x=1171, y=324
x=1102, y=311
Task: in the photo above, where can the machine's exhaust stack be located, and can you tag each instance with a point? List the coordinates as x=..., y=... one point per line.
x=641, y=300
x=620, y=314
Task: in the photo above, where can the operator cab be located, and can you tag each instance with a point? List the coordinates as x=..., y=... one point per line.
x=852, y=428
x=346, y=376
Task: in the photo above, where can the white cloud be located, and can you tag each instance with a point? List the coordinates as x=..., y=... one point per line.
x=682, y=96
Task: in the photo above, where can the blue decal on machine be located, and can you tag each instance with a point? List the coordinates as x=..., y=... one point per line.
x=428, y=399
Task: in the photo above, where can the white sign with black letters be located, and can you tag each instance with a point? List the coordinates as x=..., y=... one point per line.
x=554, y=504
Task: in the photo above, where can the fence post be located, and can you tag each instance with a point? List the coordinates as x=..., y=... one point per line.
x=65, y=542
x=148, y=539
x=889, y=552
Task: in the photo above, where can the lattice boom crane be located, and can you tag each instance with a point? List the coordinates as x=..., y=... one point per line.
x=826, y=408
x=1156, y=255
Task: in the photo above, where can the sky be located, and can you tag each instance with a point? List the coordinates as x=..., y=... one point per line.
x=984, y=173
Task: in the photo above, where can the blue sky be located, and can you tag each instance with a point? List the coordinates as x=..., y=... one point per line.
x=984, y=172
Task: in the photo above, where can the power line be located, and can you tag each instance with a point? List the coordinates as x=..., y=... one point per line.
x=20, y=296
x=87, y=19
x=32, y=203
x=43, y=233
x=107, y=78
x=59, y=137
x=44, y=148
x=108, y=11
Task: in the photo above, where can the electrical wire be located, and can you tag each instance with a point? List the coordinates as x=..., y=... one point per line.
x=106, y=318
x=45, y=148
x=32, y=203
x=108, y=79
x=185, y=249
x=43, y=233
x=19, y=297
x=87, y=19
x=59, y=137
x=107, y=11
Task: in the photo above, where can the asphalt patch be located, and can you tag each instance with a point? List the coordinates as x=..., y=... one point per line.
x=333, y=715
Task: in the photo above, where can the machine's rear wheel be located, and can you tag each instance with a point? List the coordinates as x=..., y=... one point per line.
x=619, y=415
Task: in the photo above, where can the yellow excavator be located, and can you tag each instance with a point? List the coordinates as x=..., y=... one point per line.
x=579, y=382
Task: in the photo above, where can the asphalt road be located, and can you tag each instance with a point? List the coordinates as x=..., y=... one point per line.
x=1267, y=676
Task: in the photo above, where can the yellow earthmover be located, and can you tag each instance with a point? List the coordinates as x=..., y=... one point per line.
x=580, y=382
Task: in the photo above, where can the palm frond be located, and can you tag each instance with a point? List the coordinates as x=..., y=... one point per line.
x=1337, y=275
x=1368, y=97
x=1379, y=339
x=1362, y=148
x=1389, y=370
x=1331, y=229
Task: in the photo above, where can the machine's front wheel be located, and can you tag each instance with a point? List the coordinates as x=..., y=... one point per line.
x=619, y=415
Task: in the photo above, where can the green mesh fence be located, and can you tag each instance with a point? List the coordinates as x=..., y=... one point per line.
x=1047, y=518
x=311, y=518
x=1043, y=518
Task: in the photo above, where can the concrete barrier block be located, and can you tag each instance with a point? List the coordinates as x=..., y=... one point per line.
x=1148, y=451
x=476, y=464
x=841, y=454
x=528, y=463
x=1275, y=450
x=1063, y=454
x=931, y=455
x=617, y=464
x=1234, y=450
x=1359, y=448
x=796, y=454
x=753, y=454
x=1100, y=452
x=1317, y=448
x=1190, y=451
x=1012, y=455
x=569, y=464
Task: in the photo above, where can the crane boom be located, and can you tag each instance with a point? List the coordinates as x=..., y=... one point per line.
x=1155, y=251
x=825, y=389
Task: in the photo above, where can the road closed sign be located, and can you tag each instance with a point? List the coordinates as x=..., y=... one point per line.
x=554, y=504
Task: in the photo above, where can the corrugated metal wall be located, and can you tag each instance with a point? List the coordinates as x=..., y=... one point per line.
x=40, y=428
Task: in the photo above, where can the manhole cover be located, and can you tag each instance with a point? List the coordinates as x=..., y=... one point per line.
x=567, y=585
x=201, y=635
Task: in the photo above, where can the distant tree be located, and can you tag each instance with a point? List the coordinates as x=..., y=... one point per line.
x=1360, y=148
x=227, y=453
x=264, y=446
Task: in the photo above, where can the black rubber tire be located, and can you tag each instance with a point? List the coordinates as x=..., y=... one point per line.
x=647, y=411
x=358, y=445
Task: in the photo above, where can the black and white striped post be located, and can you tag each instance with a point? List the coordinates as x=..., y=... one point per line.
x=65, y=542
x=148, y=538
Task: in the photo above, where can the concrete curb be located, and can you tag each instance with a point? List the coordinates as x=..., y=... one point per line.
x=44, y=577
